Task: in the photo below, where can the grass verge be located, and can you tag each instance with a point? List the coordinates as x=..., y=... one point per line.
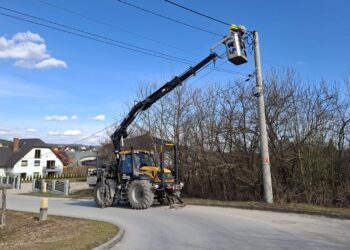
x=341, y=213
x=24, y=231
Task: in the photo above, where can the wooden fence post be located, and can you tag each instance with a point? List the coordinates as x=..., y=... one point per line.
x=3, y=207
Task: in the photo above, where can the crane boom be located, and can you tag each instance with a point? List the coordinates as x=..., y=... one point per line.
x=151, y=99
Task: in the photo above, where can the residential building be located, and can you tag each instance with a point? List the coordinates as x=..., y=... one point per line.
x=29, y=158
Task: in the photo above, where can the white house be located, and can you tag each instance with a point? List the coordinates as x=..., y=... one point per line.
x=29, y=158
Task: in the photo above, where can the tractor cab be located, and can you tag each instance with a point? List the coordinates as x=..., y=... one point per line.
x=140, y=163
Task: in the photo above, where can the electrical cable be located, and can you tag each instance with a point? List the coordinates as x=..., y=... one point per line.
x=168, y=18
x=85, y=138
x=161, y=55
x=96, y=133
x=113, y=43
x=198, y=13
x=114, y=26
x=137, y=48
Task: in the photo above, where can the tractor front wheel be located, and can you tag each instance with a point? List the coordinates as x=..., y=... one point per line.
x=102, y=195
x=140, y=195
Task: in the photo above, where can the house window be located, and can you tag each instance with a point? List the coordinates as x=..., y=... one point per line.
x=50, y=164
x=37, y=153
x=37, y=163
x=24, y=163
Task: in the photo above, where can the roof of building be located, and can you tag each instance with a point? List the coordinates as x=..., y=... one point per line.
x=25, y=145
x=5, y=154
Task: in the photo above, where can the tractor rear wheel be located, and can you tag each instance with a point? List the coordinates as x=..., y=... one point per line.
x=140, y=195
x=102, y=195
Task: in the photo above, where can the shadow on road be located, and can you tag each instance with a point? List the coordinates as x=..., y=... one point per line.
x=91, y=203
x=83, y=203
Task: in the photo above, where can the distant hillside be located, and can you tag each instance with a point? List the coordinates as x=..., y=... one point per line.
x=5, y=143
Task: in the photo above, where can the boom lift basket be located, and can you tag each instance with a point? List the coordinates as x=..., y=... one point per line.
x=235, y=48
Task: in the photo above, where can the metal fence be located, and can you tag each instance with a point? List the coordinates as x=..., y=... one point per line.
x=51, y=186
x=14, y=181
x=37, y=184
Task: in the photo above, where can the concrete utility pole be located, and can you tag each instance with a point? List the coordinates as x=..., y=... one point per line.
x=264, y=148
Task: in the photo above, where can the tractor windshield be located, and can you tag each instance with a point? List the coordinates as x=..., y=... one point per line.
x=142, y=159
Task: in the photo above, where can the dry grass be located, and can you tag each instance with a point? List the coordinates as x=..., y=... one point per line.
x=24, y=231
x=341, y=213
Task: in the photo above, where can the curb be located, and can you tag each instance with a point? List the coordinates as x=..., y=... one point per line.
x=112, y=242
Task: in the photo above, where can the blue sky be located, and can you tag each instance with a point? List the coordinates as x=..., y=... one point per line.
x=68, y=81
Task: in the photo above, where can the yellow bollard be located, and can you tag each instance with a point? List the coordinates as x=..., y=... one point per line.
x=44, y=206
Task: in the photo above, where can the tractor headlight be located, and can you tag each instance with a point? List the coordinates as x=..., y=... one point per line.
x=156, y=186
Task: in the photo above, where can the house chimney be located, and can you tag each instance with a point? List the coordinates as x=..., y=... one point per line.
x=15, y=144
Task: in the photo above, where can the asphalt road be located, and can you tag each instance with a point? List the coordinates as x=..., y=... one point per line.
x=195, y=227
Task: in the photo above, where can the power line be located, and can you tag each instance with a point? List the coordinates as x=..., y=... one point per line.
x=112, y=41
x=96, y=133
x=198, y=13
x=80, y=140
x=133, y=47
x=248, y=77
x=114, y=26
x=124, y=30
x=174, y=20
x=99, y=37
x=168, y=18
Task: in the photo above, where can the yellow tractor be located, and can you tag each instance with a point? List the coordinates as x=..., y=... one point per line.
x=134, y=177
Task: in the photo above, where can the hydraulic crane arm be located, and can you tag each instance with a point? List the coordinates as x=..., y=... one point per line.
x=151, y=99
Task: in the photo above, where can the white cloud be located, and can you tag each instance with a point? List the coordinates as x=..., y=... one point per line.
x=99, y=118
x=56, y=118
x=19, y=132
x=5, y=131
x=29, y=51
x=54, y=133
x=74, y=117
x=50, y=63
x=27, y=36
x=72, y=132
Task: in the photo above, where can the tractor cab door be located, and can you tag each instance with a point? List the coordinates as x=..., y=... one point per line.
x=128, y=165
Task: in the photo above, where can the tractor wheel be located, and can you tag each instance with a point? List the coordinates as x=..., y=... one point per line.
x=140, y=195
x=102, y=195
